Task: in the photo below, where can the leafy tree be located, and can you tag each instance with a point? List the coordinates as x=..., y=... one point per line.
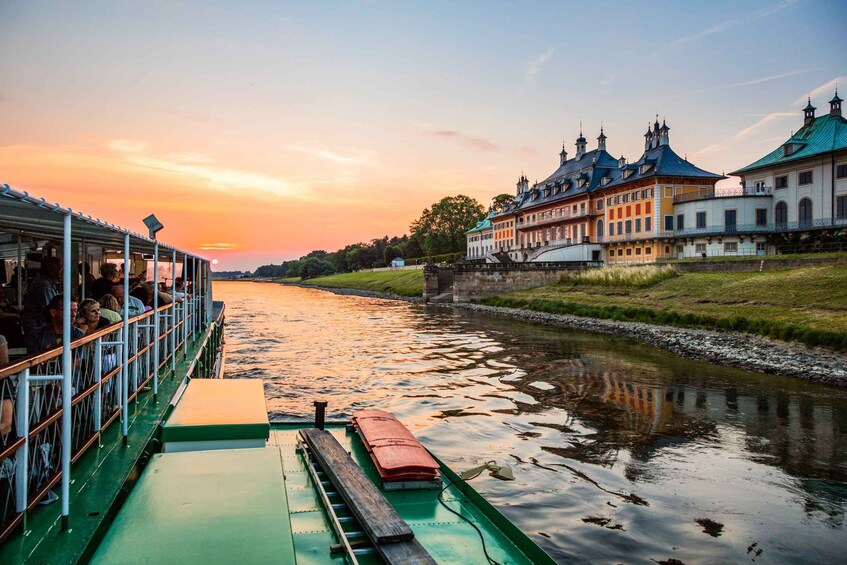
x=319, y=253
x=312, y=267
x=293, y=269
x=441, y=228
x=357, y=258
x=500, y=201
x=413, y=249
x=390, y=253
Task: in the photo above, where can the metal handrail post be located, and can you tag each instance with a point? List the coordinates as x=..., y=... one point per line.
x=156, y=321
x=186, y=302
x=67, y=375
x=82, y=274
x=193, y=294
x=125, y=352
x=98, y=374
x=173, y=313
x=22, y=457
x=20, y=275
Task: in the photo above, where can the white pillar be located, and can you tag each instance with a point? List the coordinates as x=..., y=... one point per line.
x=20, y=276
x=125, y=348
x=173, y=313
x=67, y=369
x=156, y=321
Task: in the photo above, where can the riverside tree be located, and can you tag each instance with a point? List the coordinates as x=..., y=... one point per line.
x=500, y=201
x=311, y=267
x=442, y=228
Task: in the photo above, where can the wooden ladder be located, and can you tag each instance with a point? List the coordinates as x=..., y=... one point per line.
x=343, y=486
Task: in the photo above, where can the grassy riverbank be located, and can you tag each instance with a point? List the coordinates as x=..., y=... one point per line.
x=407, y=283
x=808, y=304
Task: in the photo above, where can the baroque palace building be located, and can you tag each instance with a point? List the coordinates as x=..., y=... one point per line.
x=595, y=207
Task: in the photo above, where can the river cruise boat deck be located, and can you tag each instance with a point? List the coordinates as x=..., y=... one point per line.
x=126, y=446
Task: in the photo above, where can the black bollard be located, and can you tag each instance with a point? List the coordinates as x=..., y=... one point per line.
x=320, y=413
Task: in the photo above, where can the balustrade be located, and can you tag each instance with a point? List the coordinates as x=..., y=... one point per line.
x=31, y=405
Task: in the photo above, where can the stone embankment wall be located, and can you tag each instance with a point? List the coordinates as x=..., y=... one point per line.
x=747, y=265
x=471, y=282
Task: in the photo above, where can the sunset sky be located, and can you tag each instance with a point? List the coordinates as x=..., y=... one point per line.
x=257, y=132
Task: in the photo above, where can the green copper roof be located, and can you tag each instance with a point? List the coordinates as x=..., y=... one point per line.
x=223, y=506
x=482, y=225
x=824, y=135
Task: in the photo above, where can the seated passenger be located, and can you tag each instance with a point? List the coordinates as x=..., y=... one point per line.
x=50, y=336
x=179, y=289
x=90, y=319
x=140, y=292
x=6, y=407
x=108, y=278
x=41, y=291
x=164, y=298
x=110, y=309
x=133, y=305
x=85, y=272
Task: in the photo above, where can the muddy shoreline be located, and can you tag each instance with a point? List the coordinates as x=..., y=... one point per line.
x=734, y=349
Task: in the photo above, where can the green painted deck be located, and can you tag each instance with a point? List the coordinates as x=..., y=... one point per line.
x=220, y=506
x=98, y=480
x=448, y=538
x=219, y=410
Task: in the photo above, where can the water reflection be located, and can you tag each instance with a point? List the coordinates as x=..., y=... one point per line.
x=623, y=452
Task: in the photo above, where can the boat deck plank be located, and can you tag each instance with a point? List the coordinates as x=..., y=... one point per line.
x=376, y=515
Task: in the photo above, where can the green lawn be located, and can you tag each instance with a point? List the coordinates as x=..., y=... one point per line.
x=400, y=283
x=806, y=304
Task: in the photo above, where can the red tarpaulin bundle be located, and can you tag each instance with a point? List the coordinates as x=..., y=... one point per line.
x=398, y=456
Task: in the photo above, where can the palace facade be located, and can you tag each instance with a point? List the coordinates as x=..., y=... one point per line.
x=595, y=207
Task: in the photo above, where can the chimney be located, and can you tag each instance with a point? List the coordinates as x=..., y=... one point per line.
x=664, y=139
x=809, y=113
x=835, y=105
x=655, y=139
x=580, y=145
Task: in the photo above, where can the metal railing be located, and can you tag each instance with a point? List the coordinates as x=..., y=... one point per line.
x=527, y=266
x=102, y=384
x=617, y=238
x=734, y=192
x=773, y=228
x=552, y=219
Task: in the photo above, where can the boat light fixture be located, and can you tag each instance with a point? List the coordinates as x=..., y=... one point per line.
x=502, y=472
x=153, y=224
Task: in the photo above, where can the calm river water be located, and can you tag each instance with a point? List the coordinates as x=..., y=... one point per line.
x=623, y=453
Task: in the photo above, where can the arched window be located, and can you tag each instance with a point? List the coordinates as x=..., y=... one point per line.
x=599, y=229
x=804, y=213
x=781, y=215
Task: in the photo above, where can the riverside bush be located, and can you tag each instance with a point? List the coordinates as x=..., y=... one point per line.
x=634, y=277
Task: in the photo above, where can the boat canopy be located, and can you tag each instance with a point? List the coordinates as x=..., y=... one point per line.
x=35, y=218
x=82, y=374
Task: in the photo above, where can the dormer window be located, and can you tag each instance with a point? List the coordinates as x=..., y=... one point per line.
x=644, y=168
x=627, y=174
x=605, y=180
x=583, y=182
